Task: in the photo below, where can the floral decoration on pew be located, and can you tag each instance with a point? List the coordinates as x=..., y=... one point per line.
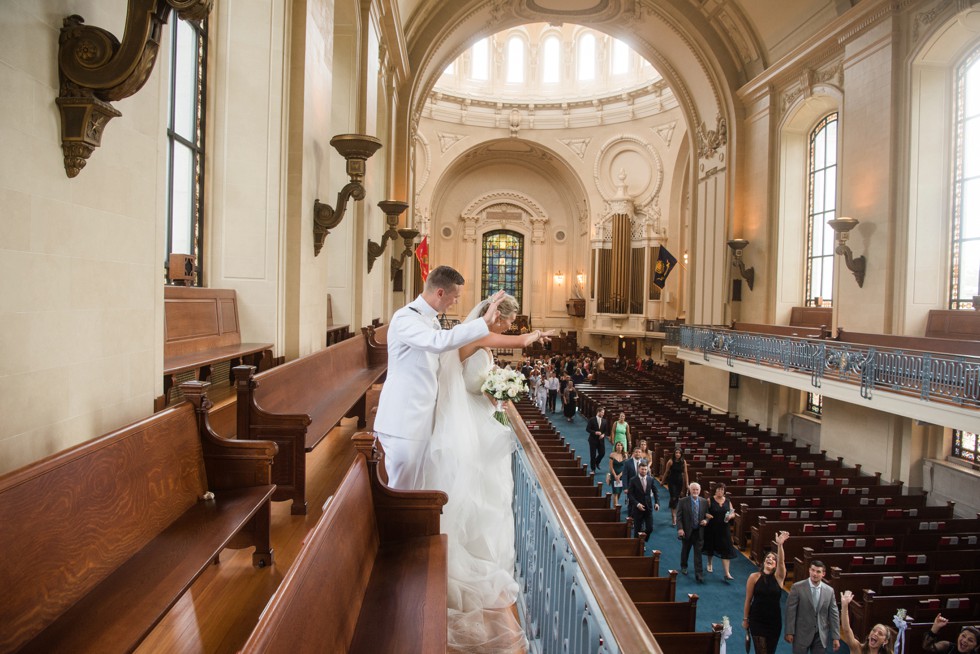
x=503, y=384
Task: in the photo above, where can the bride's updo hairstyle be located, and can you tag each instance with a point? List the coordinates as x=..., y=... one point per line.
x=508, y=307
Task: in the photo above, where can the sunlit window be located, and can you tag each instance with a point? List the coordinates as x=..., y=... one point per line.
x=814, y=404
x=965, y=269
x=620, y=57
x=821, y=208
x=185, y=133
x=480, y=61
x=515, y=60
x=450, y=69
x=551, y=61
x=503, y=264
x=965, y=446
x=586, y=58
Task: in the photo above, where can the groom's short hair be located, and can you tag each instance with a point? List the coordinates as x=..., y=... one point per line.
x=443, y=277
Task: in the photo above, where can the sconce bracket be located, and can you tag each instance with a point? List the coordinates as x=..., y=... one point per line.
x=392, y=209
x=95, y=68
x=856, y=265
x=326, y=218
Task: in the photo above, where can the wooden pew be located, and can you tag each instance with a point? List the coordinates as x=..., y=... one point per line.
x=201, y=330
x=921, y=560
x=669, y=616
x=371, y=577
x=651, y=589
x=875, y=608
x=298, y=403
x=103, y=538
x=902, y=582
x=699, y=642
x=636, y=566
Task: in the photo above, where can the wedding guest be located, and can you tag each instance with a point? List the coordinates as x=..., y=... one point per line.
x=879, y=639
x=568, y=401
x=643, y=498
x=968, y=642
x=812, y=617
x=763, y=592
x=675, y=476
x=617, y=465
x=621, y=433
x=718, y=533
x=692, y=517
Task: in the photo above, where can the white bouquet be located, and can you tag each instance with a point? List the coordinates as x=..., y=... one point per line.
x=503, y=384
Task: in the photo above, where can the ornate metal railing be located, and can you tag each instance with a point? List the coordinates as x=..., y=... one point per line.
x=572, y=600
x=929, y=376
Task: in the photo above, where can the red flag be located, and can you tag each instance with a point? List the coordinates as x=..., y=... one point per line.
x=422, y=254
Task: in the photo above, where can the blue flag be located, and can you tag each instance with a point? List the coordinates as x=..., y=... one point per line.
x=665, y=263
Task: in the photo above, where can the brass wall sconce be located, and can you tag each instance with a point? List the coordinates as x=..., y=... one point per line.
x=392, y=209
x=842, y=226
x=580, y=278
x=559, y=278
x=408, y=236
x=748, y=274
x=356, y=149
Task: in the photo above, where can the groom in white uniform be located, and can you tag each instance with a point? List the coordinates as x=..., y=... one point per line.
x=407, y=407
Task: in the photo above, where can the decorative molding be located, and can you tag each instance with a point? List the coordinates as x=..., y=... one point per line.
x=622, y=143
x=533, y=217
x=830, y=75
x=95, y=68
x=447, y=140
x=713, y=140
x=924, y=18
x=578, y=146
x=666, y=132
x=422, y=160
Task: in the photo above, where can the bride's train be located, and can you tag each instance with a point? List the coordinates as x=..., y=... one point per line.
x=469, y=458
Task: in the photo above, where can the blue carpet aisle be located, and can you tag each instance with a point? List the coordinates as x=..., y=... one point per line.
x=716, y=598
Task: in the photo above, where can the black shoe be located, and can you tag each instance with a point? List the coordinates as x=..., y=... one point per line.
x=683, y=571
x=700, y=579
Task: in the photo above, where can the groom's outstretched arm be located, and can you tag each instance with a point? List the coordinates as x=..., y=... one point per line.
x=419, y=335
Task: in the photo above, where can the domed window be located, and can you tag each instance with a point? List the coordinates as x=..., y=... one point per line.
x=551, y=64
x=515, y=60
x=480, y=61
x=620, y=57
x=586, y=58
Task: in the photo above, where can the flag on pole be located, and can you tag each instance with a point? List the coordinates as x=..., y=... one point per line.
x=665, y=263
x=422, y=254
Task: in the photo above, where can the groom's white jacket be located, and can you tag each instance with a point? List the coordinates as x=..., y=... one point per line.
x=407, y=405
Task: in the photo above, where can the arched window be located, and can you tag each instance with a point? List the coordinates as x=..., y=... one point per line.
x=620, y=58
x=515, y=60
x=586, y=58
x=821, y=208
x=965, y=252
x=480, y=60
x=185, y=133
x=503, y=264
x=551, y=61
x=965, y=445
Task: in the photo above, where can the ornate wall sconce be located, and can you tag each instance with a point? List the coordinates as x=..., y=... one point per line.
x=580, y=278
x=841, y=227
x=393, y=209
x=356, y=149
x=408, y=235
x=95, y=68
x=748, y=274
x=559, y=278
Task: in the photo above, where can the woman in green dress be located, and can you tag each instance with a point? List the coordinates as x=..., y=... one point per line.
x=621, y=433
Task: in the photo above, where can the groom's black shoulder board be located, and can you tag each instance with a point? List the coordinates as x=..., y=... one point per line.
x=415, y=310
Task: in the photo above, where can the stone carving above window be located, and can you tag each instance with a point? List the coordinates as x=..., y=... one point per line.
x=447, y=140
x=710, y=141
x=578, y=146
x=504, y=209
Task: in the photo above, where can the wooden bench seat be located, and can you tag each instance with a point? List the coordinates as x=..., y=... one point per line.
x=296, y=404
x=371, y=578
x=102, y=539
x=201, y=330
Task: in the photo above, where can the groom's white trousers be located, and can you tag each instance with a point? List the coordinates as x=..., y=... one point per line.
x=403, y=460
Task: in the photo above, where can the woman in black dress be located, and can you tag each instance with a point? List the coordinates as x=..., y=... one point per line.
x=675, y=478
x=718, y=533
x=568, y=401
x=763, y=590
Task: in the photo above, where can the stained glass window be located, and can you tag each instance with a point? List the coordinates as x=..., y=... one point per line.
x=814, y=404
x=185, y=133
x=965, y=445
x=503, y=264
x=821, y=208
x=965, y=259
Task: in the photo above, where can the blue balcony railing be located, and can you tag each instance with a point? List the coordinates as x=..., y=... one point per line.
x=572, y=599
x=934, y=377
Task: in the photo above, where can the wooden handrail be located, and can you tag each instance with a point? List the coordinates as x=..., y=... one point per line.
x=625, y=623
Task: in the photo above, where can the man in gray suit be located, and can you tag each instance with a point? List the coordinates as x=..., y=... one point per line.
x=812, y=617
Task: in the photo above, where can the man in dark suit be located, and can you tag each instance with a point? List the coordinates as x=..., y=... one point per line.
x=812, y=616
x=598, y=430
x=642, y=494
x=630, y=470
x=692, y=516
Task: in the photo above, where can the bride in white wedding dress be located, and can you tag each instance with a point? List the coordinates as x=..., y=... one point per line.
x=469, y=458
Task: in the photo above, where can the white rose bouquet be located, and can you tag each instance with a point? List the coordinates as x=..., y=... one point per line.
x=503, y=384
